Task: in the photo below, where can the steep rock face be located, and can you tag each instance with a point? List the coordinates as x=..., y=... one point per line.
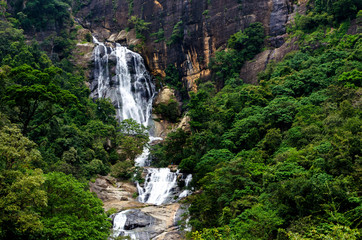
x=206, y=26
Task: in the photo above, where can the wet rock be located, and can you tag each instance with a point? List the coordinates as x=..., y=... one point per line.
x=137, y=219
x=114, y=81
x=130, y=63
x=112, y=38
x=112, y=59
x=174, y=235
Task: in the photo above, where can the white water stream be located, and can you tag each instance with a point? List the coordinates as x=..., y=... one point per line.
x=121, y=76
x=158, y=185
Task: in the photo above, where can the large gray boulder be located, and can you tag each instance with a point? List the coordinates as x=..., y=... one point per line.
x=137, y=219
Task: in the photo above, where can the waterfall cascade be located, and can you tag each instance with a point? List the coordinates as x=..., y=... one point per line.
x=121, y=76
x=119, y=223
x=158, y=185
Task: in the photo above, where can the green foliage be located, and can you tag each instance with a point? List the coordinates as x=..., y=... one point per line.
x=170, y=151
x=20, y=187
x=341, y=9
x=122, y=169
x=249, y=41
x=40, y=15
x=177, y=33
x=173, y=80
x=168, y=111
x=140, y=25
x=20, y=196
x=9, y=36
x=49, y=124
x=3, y=6
x=242, y=46
x=37, y=206
x=206, y=12
x=172, y=77
x=17, y=151
x=210, y=161
x=160, y=35
x=72, y=211
x=311, y=21
x=130, y=7
x=351, y=79
x=52, y=107
x=279, y=160
x=132, y=140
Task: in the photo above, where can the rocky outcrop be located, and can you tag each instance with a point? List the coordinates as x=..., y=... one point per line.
x=138, y=219
x=249, y=71
x=114, y=194
x=163, y=126
x=205, y=26
x=281, y=42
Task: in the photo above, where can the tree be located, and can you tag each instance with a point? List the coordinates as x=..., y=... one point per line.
x=36, y=98
x=38, y=14
x=20, y=188
x=20, y=196
x=210, y=161
x=72, y=211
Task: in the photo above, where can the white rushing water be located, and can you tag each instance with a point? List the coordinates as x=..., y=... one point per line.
x=159, y=183
x=119, y=222
x=121, y=76
x=186, y=192
x=128, y=86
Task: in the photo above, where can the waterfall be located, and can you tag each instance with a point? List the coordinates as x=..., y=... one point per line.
x=186, y=192
x=121, y=76
x=119, y=223
x=158, y=186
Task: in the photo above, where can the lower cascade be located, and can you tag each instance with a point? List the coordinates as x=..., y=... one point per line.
x=158, y=185
x=121, y=76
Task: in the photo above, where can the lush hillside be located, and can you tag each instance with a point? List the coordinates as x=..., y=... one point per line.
x=53, y=137
x=276, y=160
x=282, y=159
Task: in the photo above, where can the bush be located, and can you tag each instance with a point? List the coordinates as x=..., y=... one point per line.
x=177, y=33
x=168, y=111
x=122, y=169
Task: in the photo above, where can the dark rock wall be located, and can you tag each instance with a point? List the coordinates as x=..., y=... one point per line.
x=207, y=25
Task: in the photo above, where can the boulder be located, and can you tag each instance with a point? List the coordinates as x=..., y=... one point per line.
x=137, y=219
x=122, y=36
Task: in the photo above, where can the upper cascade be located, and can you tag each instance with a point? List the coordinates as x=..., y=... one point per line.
x=121, y=76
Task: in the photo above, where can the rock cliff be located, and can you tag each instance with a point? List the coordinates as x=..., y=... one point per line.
x=185, y=33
